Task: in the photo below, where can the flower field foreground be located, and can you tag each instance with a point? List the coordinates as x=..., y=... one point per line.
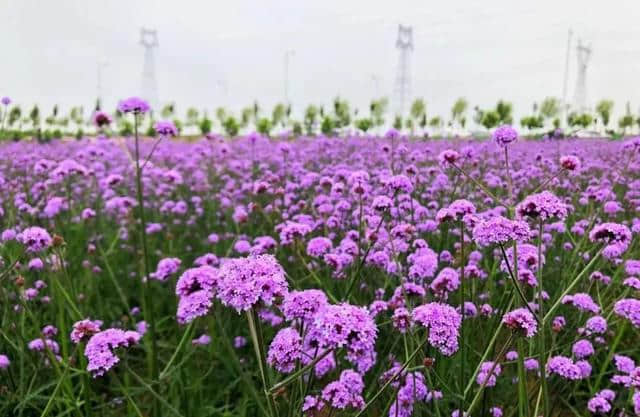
x=320, y=277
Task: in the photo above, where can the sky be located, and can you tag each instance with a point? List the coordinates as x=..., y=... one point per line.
x=229, y=53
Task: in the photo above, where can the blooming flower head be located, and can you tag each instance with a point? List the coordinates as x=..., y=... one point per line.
x=133, y=105
x=582, y=349
x=617, y=238
x=443, y=323
x=543, y=206
x=5, y=100
x=4, y=362
x=629, y=308
x=165, y=128
x=582, y=301
x=504, y=135
x=488, y=374
x=100, y=349
x=570, y=162
x=521, y=319
x=347, y=326
x=84, y=329
x=285, y=350
x=346, y=392
x=303, y=305
x=500, y=230
x=35, y=239
x=244, y=282
x=101, y=119
x=448, y=156
x=564, y=367
x=166, y=267
x=196, y=288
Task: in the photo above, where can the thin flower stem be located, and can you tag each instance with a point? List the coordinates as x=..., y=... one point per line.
x=463, y=346
x=544, y=390
x=476, y=398
x=183, y=340
x=479, y=184
x=148, y=305
x=393, y=378
x=515, y=282
x=258, y=346
x=299, y=372
x=575, y=281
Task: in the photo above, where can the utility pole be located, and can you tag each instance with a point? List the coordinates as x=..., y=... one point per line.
x=584, y=54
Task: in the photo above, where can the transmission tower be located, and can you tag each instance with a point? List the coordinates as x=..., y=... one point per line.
x=402, y=88
x=149, y=40
x=580, y=98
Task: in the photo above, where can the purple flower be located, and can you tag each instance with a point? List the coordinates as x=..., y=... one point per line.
x=521, y=319
x=100, y=349
x=5, y=100
x=596, y=325
x=616, y=236
x=445, y=282
x=581, y=301
x=318, y=246
x=443, y=323
x=348, y=326
x=564, y=367
x=504, y=135
x=543, y=206
x=166, y=267
x=165, y=128
x=628, y=308
x=196, y=288
x=570, y=162
x=4, y=362
x=582, y=349
x=488, y=374
x=133, y=105
x=101, y=119
x=303, y=305
x=244, y=282
x=203, y=340
x=285, y=350
x=500, y=230
x=35, y=239
x=346, y=392
x=84, y=329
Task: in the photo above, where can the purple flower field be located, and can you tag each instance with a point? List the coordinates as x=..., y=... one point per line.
x=320, y=276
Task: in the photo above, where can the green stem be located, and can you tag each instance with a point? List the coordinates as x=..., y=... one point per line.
x=258, y=346
x=542, y=349
x=148, y=306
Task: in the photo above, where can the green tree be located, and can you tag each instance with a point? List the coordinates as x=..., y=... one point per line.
x=490, y=119
x=264, y=126
x=550, y=108
x=310, y=118
x=458, y=111
x=192, y=116
x=604, y=108
x=230, y=126
x=278, y=114
x=626, y=121
x=532, y=122
x=327, y=126
x=364, y=124
x=377, y=109
x=504, y=111
x=205, y=125
x=341, y=112
x=168, y=111
x=418, y=112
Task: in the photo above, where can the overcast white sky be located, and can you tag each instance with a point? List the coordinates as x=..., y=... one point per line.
x=482, y=50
